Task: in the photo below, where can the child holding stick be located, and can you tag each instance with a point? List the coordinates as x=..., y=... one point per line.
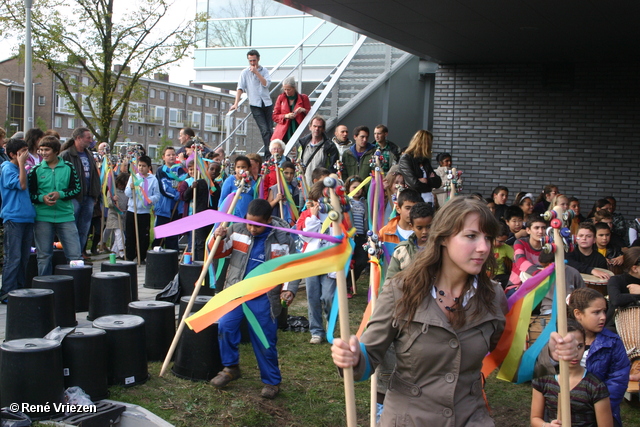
x=589, y=396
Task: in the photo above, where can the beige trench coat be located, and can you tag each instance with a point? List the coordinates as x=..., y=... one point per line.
x=437, y=378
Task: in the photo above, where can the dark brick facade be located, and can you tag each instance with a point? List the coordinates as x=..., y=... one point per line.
x=524, y=126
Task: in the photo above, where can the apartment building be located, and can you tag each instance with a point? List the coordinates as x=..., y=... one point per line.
x=156, y=114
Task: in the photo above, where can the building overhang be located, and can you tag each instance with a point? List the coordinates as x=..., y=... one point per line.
x=497, y=31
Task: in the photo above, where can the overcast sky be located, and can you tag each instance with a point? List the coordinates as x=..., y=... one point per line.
x=181, y=72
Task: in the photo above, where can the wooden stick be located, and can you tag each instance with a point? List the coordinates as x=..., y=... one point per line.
x=453, y=191
x=277, y=170
x=196, y=288
x=353, y=280
x=343, y=307
x=374, y=298
x=121, y=234
x=564, y=408
x=193, y=211
x=135, y=218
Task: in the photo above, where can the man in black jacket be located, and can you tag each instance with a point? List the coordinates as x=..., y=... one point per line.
x=83, y=162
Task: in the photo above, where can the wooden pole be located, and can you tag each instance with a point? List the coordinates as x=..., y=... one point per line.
x=195, y=191
x=121, y=234
x=373, y=404
x=454, y=190
x=343, y=307
x=564, y=408
x=196, y=288
x=135, y=217
x=278, y=182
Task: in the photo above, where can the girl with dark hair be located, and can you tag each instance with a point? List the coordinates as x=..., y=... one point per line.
x=443, y=315
x=32, y=138
x=605, y=355
x=544, y=199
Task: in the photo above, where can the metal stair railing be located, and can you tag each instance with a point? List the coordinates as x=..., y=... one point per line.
x=357, y=86
x=229, y=116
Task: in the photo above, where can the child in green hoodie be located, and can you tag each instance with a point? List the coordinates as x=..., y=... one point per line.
x=52, y=185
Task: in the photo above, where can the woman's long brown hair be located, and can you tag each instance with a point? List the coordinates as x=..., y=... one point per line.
x=420, y=145
x=418, y=278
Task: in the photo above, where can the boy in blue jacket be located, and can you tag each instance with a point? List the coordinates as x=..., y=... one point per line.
x=167, y=210
x=248, y=246
x=18, y=214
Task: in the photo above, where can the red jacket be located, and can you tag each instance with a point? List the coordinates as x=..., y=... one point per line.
x=281, y=107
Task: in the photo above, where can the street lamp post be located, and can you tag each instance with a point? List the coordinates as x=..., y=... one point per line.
x=28, y=87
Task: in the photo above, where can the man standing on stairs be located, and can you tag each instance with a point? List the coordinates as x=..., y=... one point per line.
x=255, y=81
x=356, y=159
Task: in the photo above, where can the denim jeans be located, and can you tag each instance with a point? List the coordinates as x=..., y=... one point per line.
x=17, y=248
x=320, y=290
x=264, y=119
x=44, y=233
x=229, y=338
x=83, y=212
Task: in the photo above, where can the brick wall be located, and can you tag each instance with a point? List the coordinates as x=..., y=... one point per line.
x=524, y=126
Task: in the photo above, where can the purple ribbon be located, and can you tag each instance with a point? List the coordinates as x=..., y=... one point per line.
x=208, y=217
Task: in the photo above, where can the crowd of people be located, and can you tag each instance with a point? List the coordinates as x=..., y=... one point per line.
x=453, y=260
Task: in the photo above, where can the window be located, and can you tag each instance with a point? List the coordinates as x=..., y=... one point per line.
x=198, y=101
x=63, y=105
x=223, y=105
x=57, y=122
x=150, y=131
x=208, y=122
x=189, y=99
x=140, y=130
x=207, y=103
x=157, y=114
x=172, y=96
x=242, y=130
x=206, y=137
x=194, y=119
x=244, y=109
x=71, y=123
x=214, y=138
x=120, y=88
x=181, y=98
x=85, y=81
x=135, y=112
x=170, y=134
x=86, y=105
x=152, y=151
x=41, y=100
x=130, y=130
x=161, y=133
x=152, y=93
x=215, y=103
x=163, y=94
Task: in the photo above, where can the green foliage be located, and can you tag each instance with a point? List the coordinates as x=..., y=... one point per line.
x=164, y=143
x=41, y=124
x=99, y=58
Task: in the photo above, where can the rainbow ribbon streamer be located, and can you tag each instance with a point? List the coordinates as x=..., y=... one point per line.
x=174, y=172
x=291, y=205
x=376, y=186
x=376, y=271
x=269, y=275
x=509, y=351
x=105, y=169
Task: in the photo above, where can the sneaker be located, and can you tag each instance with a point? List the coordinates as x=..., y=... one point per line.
x=315, y=339
x=224, y=377
x=270, y=391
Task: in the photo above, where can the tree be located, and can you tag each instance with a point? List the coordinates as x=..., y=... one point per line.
x=233, y=32
x=111, y=54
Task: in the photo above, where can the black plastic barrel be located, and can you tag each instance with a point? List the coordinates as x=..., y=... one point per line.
x=188, y=275
x=32, y=269
x=125, y=267
x=162, y=267
x=31, y=372
x=110, y=294
x=63, y=297
x=199, y=302
x=197, y=355
x=81, y=283
x=160, y=325
x=84, y=356
x=126, y=349
x=58, y=258
x=29, y=313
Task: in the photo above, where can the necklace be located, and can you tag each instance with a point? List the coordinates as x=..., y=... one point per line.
x=441, y=294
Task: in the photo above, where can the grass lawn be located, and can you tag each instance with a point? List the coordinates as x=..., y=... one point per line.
x=312, y=391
